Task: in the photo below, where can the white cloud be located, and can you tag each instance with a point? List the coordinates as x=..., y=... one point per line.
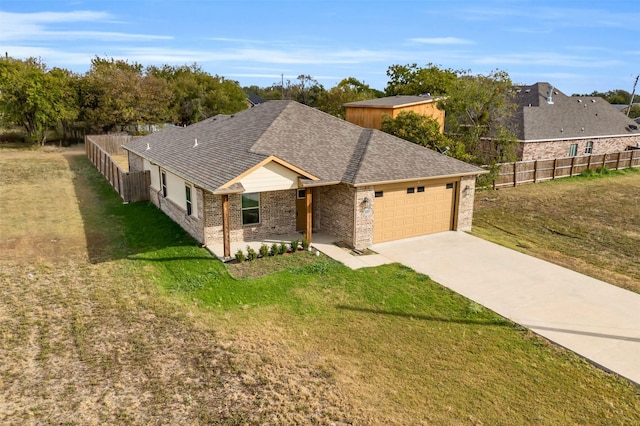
x=547, y=59
x=441, y=40
x=35, y=27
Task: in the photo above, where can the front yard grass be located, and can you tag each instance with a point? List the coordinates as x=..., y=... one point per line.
x=141, y=325
x=588, y=224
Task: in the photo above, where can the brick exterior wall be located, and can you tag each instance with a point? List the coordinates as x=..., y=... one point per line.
x=335, y=212
x=466, y=197
x=560, y=149
x=277, y=216
x=364, y=217
x=136, y=163
x=193, y=225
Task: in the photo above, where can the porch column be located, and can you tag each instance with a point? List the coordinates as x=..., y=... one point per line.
x=226, y=239
x=309, y=227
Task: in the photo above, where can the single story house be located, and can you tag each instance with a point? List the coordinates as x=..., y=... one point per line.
x=370, y=113
x=282, y=167
x=550, y=124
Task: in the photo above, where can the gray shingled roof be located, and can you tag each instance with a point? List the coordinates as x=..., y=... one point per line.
x=568, y=117
x=322, y=145
x=392, y=101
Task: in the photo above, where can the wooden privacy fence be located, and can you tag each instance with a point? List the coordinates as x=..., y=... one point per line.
x=131, y=186
x=513, y=174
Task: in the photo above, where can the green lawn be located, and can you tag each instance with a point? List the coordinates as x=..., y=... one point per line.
x=311, y=342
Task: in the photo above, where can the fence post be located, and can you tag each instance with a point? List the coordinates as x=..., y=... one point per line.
x=535, y=171
x=604, y=160
x=618, y=160
x=573, y=161
x=589, y=162
x=515, y=173
x=555, y=166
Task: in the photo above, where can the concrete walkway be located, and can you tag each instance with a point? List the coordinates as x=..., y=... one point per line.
x=594, y=319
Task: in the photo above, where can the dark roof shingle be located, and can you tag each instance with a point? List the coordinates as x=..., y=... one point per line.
x=568, y=117
x=322, y=145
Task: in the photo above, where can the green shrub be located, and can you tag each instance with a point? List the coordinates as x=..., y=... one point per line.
x=603, y=171
x=282, y=249
x=251, y=253
x=240, y=256
x=264, y=250
x=305, y=244
x=294, y=246
x=275, y=249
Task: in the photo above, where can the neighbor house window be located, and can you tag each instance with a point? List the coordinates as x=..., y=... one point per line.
x=411, y=190
x=164, y=184
x=573, y=150
x=250, y=208
x=379, y=194
x=187, y=194
x=302, y=193
x=421, y=189
x=588, y=149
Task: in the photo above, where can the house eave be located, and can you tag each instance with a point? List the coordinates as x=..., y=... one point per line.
x=455, y=175
x=577, y=138
x=173, y=171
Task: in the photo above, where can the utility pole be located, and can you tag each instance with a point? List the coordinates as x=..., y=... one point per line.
x=633, y=93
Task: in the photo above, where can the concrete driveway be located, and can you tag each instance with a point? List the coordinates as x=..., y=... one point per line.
x=596, y=320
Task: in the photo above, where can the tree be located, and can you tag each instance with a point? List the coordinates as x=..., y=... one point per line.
x=413, y=80
x=425, y=131
x=478, y=111
x=306, y=91
x=34, y=98
x=110, y=95
x=347, y=90
x=197, y=95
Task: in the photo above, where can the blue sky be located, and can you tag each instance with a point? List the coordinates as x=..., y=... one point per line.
x=579, y=46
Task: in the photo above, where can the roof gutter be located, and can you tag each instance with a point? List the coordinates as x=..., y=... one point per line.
x=385, y=182
x=180, y=175
x=577, y=138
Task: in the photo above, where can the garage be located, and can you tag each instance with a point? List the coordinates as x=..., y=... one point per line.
x=409, y=209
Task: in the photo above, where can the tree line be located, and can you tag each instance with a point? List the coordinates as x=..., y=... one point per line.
x=115, y=95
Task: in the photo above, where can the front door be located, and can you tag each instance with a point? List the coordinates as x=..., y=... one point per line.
x=301, y=210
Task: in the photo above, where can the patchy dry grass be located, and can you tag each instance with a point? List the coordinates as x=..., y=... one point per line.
x=588, y=224
x=135, y=324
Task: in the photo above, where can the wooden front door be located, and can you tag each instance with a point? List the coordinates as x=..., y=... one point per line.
x=301, y=210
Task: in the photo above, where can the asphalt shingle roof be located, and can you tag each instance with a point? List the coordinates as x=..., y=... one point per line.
x=568, y=117
x=322, y=145
x=392, y=101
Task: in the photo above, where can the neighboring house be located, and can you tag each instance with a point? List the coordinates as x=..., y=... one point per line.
x=282, y=167
x=253, y=99
x=550, y=124
x=370, y=113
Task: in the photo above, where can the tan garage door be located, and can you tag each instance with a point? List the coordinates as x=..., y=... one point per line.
x=413, y=208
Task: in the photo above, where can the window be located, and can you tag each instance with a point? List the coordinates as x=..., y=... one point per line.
x=588, y=149
x=302, y=193
x=379, y=194
x=164, y=184
x=187, y=194
x=450, y=185
x=250, y=208
x=421, y=189
x=411, y=190
x=573, y=150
